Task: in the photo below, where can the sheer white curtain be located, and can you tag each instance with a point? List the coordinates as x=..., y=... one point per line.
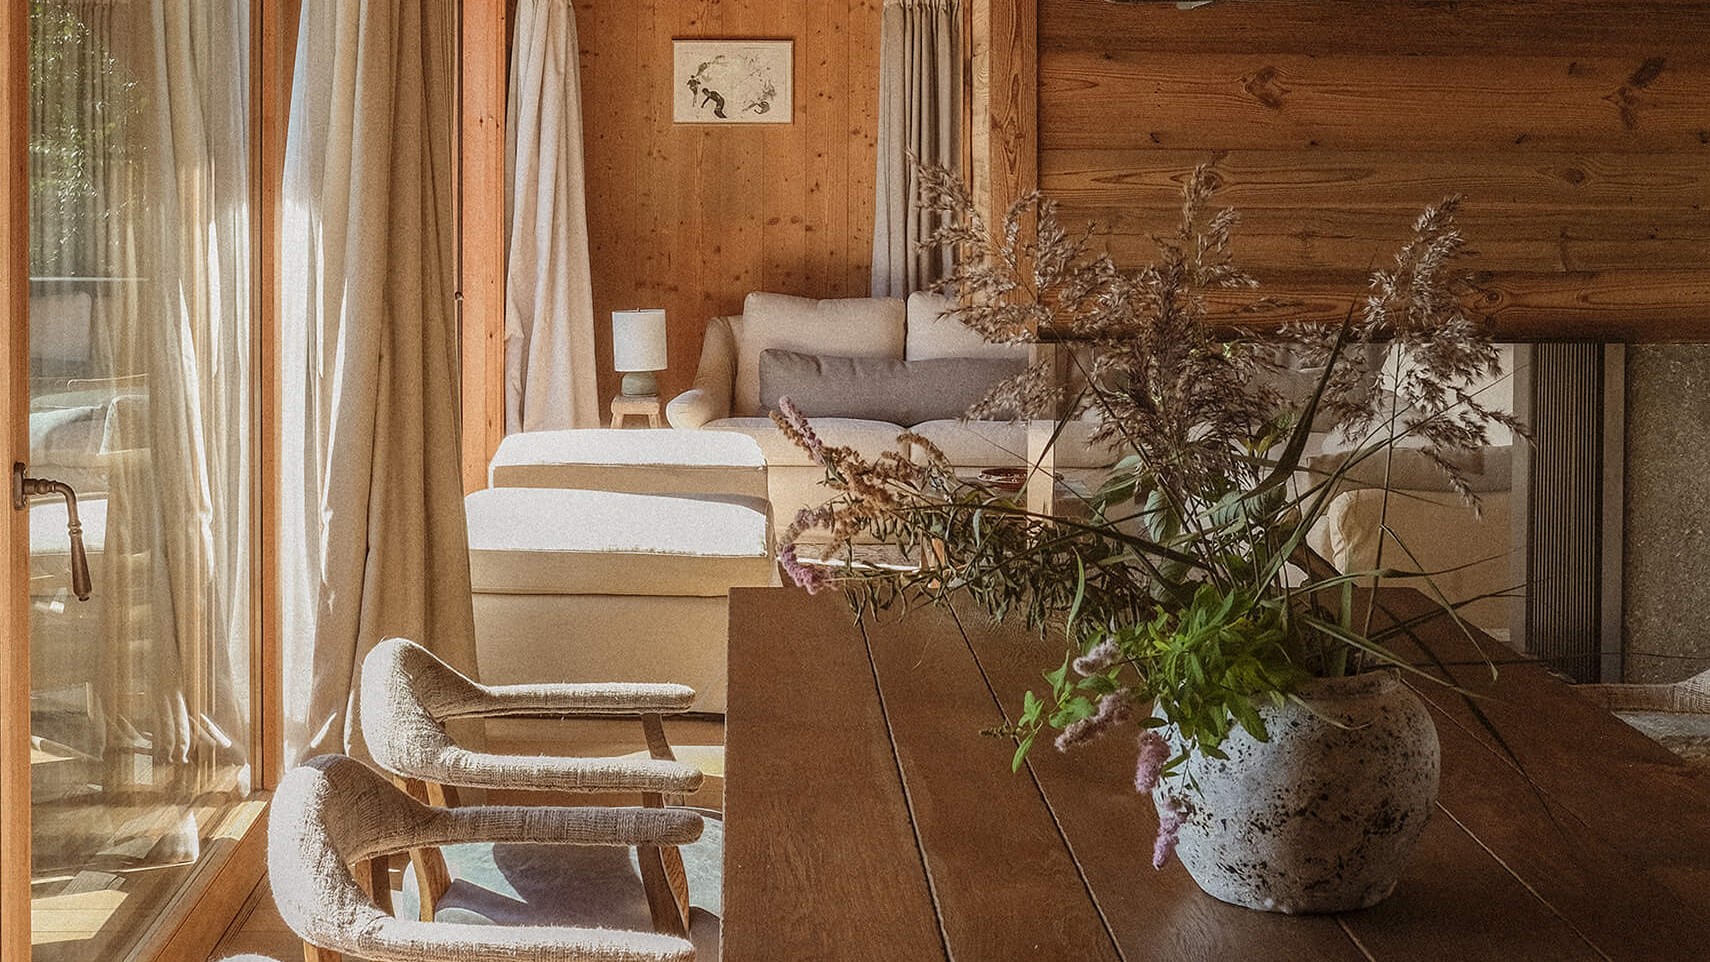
x=920, y=116
x=140, y=211
x=372, y=533
x=549, y=303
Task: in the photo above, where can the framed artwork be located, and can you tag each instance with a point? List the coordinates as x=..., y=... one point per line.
x=732, y=81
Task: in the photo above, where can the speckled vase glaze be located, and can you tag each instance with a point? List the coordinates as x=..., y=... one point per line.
x=1324, y=815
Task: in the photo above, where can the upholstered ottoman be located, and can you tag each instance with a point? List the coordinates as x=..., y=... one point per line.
x=611, y=586
x=638, y=462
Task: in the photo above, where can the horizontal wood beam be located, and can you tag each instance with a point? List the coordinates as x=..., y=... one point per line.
x=1096, y=97
x=1418, y=27
x=1633, y=306
x=1590, y=178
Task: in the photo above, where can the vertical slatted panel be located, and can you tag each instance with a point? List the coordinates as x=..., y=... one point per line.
x=1565, y=508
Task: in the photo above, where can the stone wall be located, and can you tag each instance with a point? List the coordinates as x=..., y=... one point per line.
x=1667, y=564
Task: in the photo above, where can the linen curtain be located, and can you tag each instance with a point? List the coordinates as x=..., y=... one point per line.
x=372, y=536
x=140, y=210
x=920, y=118
x=550, y=376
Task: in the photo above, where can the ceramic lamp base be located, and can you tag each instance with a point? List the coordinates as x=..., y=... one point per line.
x=640, y=384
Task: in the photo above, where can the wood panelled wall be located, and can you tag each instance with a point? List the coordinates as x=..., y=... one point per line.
x=1577, y=130
x=693, y=217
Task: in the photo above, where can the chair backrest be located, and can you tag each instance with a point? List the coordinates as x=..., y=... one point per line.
x=406, y=690
x=328, y=814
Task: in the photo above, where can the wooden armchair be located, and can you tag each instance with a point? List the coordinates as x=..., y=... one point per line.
x=336, y=823
x=408, y=695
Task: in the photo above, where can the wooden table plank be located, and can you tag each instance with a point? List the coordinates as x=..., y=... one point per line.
x=1006, y=886
x=1631, y=793
x=821, y=860
x=1609, y=896
x=850, y=755
x=1455, y=901
x=1156, y=914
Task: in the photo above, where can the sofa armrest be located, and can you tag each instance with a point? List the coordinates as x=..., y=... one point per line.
x=709, y=398
x=694, y=408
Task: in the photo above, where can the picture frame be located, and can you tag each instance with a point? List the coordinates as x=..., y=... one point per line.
x=732, y=81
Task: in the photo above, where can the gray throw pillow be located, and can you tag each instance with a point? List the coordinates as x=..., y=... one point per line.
x=880, y=389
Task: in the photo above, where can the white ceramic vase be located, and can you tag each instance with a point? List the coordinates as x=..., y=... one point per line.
x=1324, y=815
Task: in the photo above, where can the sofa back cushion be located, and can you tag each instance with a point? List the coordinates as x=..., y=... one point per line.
x=931, y=334
x=865, y=327
x=880, y=389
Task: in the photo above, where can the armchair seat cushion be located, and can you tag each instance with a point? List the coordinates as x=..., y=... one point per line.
x=565, y=542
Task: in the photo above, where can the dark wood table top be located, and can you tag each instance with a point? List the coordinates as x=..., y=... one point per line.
x=867, y=817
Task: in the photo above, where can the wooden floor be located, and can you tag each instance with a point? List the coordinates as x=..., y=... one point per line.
x=260, y=930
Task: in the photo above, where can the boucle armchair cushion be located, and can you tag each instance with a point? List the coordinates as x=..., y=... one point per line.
x=565, y=542
x=333, y=812
x=931, y=334
x=847, y=327
x=880, y=389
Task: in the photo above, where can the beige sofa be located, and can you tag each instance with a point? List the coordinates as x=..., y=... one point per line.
x=726, y=393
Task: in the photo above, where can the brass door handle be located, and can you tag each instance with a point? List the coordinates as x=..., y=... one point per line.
x=24, y=488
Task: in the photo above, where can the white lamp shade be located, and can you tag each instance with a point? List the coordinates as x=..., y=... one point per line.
x=638, y=340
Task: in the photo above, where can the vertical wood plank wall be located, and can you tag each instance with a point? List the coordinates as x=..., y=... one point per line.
x=692, y=217
x=484, y=64
x=1578, y=131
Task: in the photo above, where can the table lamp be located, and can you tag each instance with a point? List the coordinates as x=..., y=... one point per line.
x=638, y=349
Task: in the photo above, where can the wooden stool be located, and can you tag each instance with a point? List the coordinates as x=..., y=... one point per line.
x=626, y=406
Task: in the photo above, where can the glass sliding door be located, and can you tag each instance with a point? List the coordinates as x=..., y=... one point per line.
x=140, y=319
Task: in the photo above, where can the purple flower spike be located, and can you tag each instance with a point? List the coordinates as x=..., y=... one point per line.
x=804, y=433
x=1169, y=831
x=1112, y=709
x=1103, y=655
x=810, y=577
x=1154, y=752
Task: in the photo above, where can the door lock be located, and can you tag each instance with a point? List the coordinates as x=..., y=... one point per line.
x=23, y=489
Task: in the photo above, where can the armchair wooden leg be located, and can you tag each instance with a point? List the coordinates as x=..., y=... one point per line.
x=314, y=953
x=375, y=877
x=653, y=727
x=432, y=877
x=664, y=880
x=662, y=873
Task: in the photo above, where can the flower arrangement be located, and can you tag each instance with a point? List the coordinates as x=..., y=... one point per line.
x=1183, y=587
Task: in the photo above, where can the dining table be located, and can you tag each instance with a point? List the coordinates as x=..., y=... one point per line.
x=871, y=812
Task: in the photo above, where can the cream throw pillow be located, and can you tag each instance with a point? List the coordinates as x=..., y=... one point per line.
x=847, y=327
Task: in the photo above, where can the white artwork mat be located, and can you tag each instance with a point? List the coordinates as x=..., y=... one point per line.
x=732, y=81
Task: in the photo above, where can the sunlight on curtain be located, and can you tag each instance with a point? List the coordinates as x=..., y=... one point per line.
x=372, y=540
x=140, y=394
x=550, y=374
